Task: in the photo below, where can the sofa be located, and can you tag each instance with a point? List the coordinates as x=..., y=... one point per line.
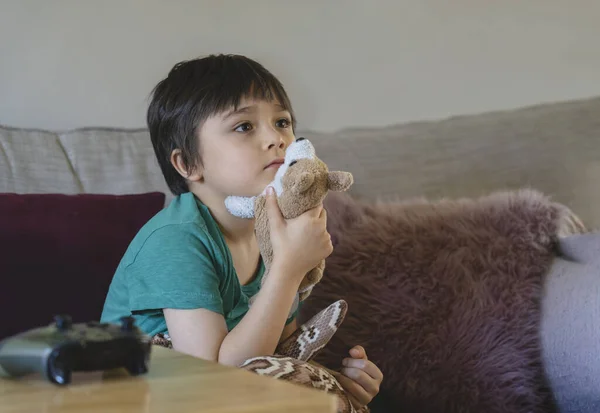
x=554, y=148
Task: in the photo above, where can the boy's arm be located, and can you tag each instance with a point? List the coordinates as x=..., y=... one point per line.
x=289, y=329
x=203, y=333
x=197, y=332
x=299, y=244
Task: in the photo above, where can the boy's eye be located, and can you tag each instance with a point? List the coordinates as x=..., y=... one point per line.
x=283, y=123
x=244, y=127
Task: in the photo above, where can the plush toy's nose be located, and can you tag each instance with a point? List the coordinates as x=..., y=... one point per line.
x=300, y=139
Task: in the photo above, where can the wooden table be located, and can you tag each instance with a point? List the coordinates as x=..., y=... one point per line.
x=175, y=382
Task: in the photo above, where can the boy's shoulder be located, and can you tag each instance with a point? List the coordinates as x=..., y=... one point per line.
x=184, y=210
x=184, y=216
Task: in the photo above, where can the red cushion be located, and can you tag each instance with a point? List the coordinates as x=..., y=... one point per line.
x=58, y=253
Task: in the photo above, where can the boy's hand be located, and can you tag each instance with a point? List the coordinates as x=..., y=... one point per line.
x=299, y=244
x=360, y=377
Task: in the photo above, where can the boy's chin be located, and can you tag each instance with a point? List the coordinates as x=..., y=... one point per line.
x=249, y=193
x=264, y=183
x=256, y=188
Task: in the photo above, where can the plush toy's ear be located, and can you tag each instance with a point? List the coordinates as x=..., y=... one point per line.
x=339, y=181
x=305, y=181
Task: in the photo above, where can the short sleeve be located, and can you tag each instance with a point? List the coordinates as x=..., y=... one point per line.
x=294, y=315
x=174, y=268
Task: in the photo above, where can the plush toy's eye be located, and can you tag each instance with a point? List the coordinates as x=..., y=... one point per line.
x=293, y=162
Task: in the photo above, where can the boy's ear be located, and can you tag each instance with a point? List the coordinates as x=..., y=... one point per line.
x=339, y=181
x=191, y=174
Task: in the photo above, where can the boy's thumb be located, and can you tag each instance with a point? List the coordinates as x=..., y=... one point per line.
x=273, y=211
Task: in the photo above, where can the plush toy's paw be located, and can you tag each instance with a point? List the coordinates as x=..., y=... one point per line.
x=311, y=279
x=240, y=206
x=303, y=374
x=312, y=336
x=303, y=295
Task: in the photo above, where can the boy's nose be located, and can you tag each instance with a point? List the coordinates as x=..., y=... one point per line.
x=275, y=139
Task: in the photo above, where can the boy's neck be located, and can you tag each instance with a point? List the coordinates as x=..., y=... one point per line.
x=236, y=230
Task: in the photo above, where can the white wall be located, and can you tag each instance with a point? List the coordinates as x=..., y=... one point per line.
x=67, y=64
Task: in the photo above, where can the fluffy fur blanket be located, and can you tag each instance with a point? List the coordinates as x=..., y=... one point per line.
x=445, y=297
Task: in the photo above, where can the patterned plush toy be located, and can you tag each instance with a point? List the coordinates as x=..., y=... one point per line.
x=301, y=183
x=291, y=361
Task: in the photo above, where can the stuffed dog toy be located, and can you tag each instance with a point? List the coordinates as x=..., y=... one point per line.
x=301, y=183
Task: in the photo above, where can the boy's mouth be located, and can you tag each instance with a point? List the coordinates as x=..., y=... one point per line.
x=276, y=163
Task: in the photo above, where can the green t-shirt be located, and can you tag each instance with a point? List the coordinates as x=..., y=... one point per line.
x=179, y=259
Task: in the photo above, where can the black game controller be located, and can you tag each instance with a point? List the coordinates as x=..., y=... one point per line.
x=64, y=347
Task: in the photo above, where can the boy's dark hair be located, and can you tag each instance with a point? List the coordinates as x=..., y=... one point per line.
x=193, y=91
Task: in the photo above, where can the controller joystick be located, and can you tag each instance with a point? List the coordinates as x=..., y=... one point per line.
x=63, y=322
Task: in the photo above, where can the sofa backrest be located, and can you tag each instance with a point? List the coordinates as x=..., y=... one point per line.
x=92, y=160
x=553, y=147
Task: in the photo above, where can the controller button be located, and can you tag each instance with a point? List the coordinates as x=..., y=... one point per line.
x=127, y=324
x=63, y=322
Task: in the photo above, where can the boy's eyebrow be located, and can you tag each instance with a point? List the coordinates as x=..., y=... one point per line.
x=250, y=108
x=245, y=109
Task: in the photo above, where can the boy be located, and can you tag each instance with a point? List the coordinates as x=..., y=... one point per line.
x=220, y=126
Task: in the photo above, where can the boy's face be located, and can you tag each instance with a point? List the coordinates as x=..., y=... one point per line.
x=241, y=150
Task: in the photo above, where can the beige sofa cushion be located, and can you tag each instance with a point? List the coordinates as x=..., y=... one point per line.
x=94, y=160
x=33, y=161
x=554, y=148
x=113, y=161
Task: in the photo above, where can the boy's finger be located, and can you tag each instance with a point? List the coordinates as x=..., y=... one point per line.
x=345, y=380
x=316, y=211
x=273, y=211
x=365, y=381
x=323, y=214
x=358, y=352
x=365, y=365
x=355, y=390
